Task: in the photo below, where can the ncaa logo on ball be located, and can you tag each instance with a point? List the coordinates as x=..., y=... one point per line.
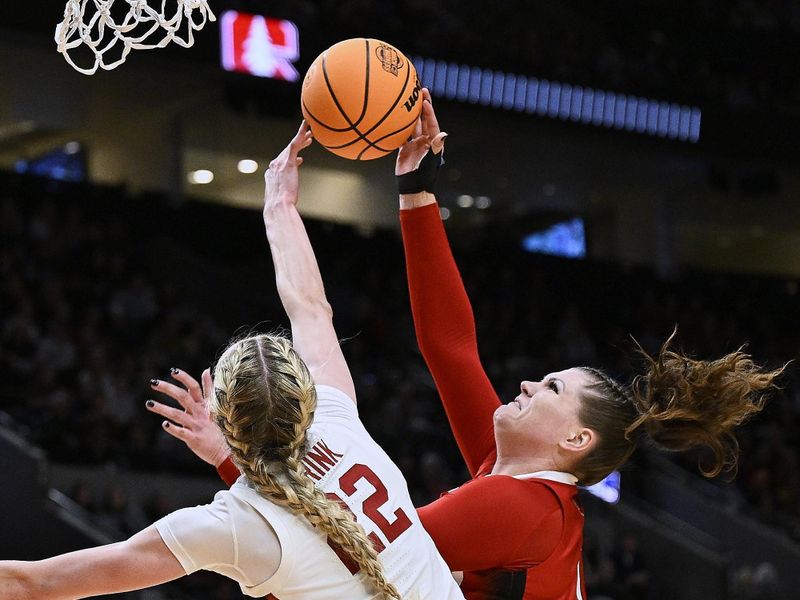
x=309, y=75
x=390, y=59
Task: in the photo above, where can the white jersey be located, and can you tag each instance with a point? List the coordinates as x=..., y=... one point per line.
x=344, y=460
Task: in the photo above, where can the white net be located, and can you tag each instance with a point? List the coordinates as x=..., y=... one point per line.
x=134, y=25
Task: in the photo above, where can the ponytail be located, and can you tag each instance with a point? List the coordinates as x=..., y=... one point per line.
x=679, y=403
x=684, y=403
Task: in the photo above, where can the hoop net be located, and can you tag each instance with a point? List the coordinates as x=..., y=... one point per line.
x=141, y=28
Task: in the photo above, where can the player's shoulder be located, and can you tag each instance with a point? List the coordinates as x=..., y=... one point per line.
x=333, y=402
x=513, y=489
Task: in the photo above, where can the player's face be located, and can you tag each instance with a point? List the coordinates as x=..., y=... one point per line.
x=543, y=414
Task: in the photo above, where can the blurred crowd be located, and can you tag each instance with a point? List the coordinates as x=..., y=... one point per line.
x=733, y=54
x=101, y=292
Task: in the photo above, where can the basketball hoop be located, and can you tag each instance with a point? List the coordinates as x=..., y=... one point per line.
x=140, y=28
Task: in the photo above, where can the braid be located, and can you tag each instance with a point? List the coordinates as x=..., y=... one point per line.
x=225, y=381
x=269, y=451
x=298, y=383
x=607, y=407
x=620, y=393
x=340, y=526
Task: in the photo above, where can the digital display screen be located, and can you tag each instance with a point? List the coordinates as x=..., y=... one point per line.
x=260, y=46
x=565, y=239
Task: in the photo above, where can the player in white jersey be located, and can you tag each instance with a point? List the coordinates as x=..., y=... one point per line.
x=286, y=529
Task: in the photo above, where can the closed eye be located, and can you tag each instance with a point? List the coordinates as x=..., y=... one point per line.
x=553, y=385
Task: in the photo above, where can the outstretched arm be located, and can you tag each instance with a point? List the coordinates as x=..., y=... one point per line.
x=443, y=317
x=140, y=562
x=302, y=293
x=297, y=274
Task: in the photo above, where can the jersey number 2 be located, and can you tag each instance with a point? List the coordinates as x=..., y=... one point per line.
x=370, y=506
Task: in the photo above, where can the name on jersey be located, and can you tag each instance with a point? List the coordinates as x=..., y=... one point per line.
x=320, y=459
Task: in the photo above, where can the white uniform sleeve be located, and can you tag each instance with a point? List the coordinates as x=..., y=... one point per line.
x=333, y=404
x=216, y=537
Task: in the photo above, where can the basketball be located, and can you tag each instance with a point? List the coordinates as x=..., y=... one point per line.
x=361, y=98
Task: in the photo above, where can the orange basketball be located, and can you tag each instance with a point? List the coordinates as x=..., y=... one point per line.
x=361, y=98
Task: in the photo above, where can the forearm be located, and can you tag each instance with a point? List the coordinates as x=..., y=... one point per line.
x=297, y=274
x=140, y=562
x=62, y=577
x=446, y=335
x=439, y=303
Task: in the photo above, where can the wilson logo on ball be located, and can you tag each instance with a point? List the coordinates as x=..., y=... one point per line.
x=390, y=59
x=412, y=99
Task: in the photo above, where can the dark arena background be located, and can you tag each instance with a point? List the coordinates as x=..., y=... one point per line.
x=613, y=169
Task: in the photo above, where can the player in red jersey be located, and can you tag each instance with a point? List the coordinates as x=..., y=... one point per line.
x=516, y=528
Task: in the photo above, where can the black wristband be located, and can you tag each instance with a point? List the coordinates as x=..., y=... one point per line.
x=423, y=178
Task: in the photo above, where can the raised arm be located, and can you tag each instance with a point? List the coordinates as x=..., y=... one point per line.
x=142, y=561
x=297, y=274
x=443, y=317
x=300, y=287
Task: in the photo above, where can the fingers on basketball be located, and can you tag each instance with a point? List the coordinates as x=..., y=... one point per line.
x=438, y=142
x=418, y=128
x=430, y=124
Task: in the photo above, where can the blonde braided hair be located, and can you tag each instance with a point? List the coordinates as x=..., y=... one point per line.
x=264, y=401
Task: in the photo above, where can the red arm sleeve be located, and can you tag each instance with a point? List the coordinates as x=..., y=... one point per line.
x=445, y=328
x=494, y=522
x=228, y=472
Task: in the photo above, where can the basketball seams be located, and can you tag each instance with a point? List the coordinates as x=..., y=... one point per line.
x=339, y=106
x=394, y=105
x=366, y=84
x=388, y=135
x=375, y=142
x=325, y=125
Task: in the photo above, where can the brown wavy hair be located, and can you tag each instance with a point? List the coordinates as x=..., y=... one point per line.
x=264, y=401
x=679, y=403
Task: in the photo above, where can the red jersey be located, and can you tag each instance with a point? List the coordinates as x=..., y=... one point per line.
x=515, y=538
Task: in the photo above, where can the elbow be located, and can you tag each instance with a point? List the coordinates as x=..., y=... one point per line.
x=433, y=351
x=320, y=307
x=17, y=582
x=302, y=298
x=447, y=348
x=316, y=307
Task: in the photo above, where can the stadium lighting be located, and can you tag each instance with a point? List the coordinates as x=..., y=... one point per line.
x=201, y=176
x=465, y=200
x=247, y=166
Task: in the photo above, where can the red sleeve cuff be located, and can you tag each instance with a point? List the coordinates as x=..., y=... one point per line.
x=228, y=471
x=422, y=212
